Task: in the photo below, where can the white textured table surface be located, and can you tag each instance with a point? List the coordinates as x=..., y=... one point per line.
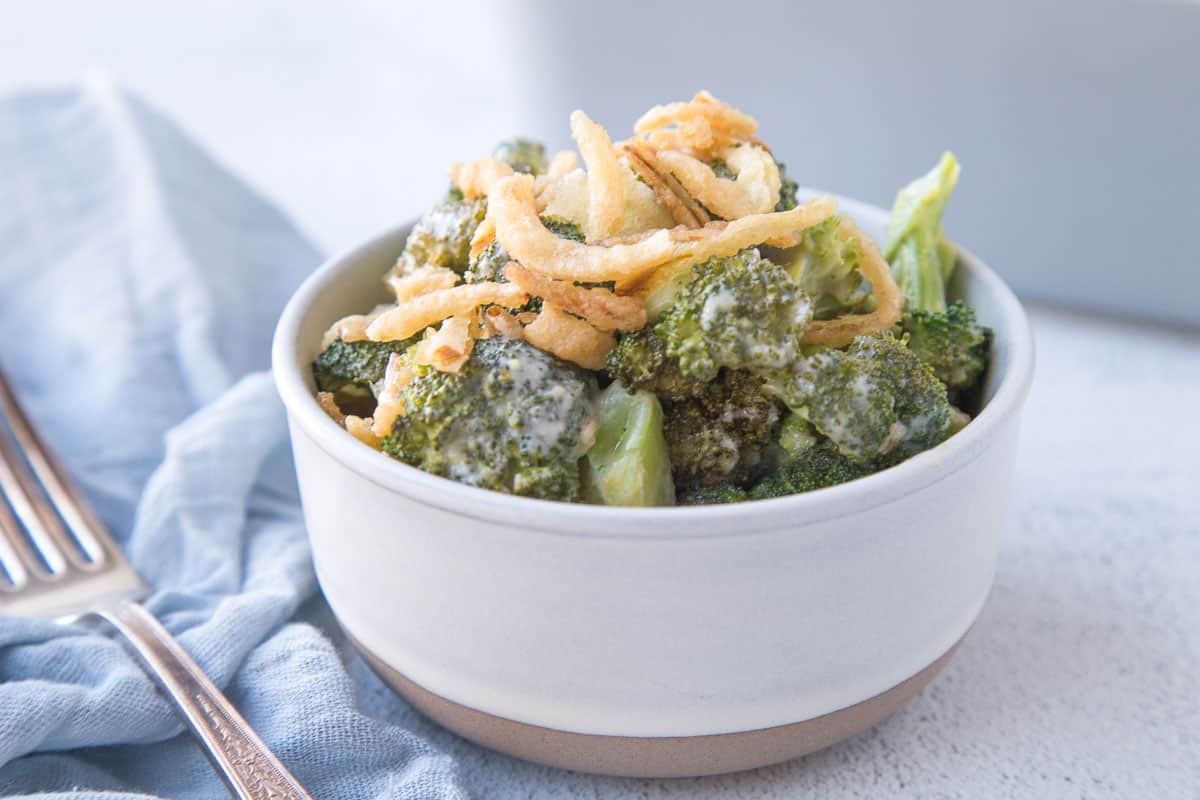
x=1082, y=677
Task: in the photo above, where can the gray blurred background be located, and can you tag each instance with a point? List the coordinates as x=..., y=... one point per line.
x=1077, y=122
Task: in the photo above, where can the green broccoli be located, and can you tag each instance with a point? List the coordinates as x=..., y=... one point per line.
x=722, y=170
x=741, y=312
x=563, y=228
x=442, y=237
x=921, y=263
x=875, y=400
x=489, y=264
x=513, y=419
x=640, y=361
x=824, y=266
x=943, y=335
x=355, y=367
x=787, y=190
x=951, y=342
x=820, y=466
x=523, y=155
x=714, y=495
x=629, y=464
x=724, y=435
x=810, y=461
x=737, y=316
x=787, y=187
x=796, y=435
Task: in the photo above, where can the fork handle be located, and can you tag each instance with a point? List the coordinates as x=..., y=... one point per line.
x=251, y=771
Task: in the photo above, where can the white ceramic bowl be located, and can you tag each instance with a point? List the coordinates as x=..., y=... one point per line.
x=668, y=641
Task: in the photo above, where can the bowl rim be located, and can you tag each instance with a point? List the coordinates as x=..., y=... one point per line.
x=594, y=521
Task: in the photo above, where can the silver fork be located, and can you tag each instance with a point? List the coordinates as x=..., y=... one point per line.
x=60, y=562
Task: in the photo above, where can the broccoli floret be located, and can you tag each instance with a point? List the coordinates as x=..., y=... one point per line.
x=796, y=436
x=787, y=186
x=820, y=466
x=722, y=170
x=513, y=419
x=724, y=435
x=921, y=263
x=523, y=155
x=787, y=190
x=714, y=495
x=951, y=342
x=943, y=335
x=356, y=367
x=741, y=312
x=442, y=237
x=810, y=462
x=563, y=227
x=875, y=400
x=824, y=266
x=629, y=465
x=640, y=361
x=489, y=264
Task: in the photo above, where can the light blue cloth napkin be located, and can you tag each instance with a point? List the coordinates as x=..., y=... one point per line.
x=139, y=284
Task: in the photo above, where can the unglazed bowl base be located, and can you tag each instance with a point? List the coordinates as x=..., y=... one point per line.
x=656, y=757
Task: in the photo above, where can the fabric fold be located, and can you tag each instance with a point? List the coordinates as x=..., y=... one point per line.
x=139, y=286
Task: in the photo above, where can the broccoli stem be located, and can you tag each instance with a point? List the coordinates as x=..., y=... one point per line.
x=629, y=463
x=944, y=335
x=922, y=258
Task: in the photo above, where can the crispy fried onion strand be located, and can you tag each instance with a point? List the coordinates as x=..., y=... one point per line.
x=569, y=338
x=361, y=428
x=604, y=309
x=755, y=191
x=349, y=329
x=429, y=309
x=476, y=178
x=644, y=161
x=839, y=332
x=694, y=136
x=563, y=163
x=358, y=427
x=567, y=198
x=328, y=404
x=449, y=347
x=701, y=127
x=718, y=239
x=679, y=212
x=777, y=228
x=502, y=322
x=391, y=402
x=422, y=280
x=721, y=116
x=606, y=184
x=485, y=232
x=527, y=240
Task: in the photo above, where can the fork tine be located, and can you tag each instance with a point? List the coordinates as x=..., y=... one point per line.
x=12, y=542
x=108, y=587
x=84, y=550
x=44, y=530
